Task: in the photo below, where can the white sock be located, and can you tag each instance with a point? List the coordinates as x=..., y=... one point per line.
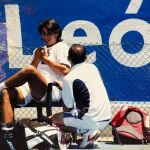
x=7, y=128
x=2, y=86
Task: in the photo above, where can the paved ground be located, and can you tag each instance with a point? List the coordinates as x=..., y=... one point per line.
x=110, y=146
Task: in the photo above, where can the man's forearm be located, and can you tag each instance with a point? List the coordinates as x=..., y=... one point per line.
x=35, y=63
x=60, y=69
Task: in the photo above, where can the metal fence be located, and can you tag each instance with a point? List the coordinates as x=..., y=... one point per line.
x=95, y=53
x=106, y=134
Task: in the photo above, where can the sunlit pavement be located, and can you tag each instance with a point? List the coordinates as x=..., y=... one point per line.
x=110, y=146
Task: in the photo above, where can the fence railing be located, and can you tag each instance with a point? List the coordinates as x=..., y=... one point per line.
x=125, y=69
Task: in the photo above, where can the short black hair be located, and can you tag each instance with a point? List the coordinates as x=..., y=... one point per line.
x=52, y=27
x=77, y=53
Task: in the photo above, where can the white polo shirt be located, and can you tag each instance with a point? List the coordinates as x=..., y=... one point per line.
x=84, y=86
x=58, y=53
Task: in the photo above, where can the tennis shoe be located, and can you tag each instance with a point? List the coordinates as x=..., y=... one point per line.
x=89, y=138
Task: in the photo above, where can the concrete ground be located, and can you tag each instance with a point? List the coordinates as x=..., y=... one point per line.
x=110, y=146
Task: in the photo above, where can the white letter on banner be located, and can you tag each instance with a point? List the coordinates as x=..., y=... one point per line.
x=131, y=60
x=14, y=38
x=93, y=35
x=134, y=6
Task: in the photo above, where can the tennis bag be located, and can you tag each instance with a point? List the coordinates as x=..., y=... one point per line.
x=33, y=134
x=131, y=126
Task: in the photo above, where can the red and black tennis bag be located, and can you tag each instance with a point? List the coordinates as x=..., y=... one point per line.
x=131, y=126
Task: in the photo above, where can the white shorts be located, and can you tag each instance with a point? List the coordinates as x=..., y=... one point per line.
x=56, y=94
x=70, y=120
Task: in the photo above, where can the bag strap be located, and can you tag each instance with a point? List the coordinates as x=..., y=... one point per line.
x=33, y=136
x=147, y=136
x=43, y=119
x=19, y=130
x=117, y=135
x=42, y=135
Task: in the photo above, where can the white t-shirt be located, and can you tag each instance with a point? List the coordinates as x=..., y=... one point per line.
x=58, y=53
x=84, y=85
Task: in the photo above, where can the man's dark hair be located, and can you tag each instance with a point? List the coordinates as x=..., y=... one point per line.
x=77, y=53
x=52, y=27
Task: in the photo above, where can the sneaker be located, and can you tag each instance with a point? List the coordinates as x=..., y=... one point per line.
x=89, y=138
x=7, y=131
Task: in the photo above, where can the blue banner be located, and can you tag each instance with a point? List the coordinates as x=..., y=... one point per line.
x=115, y=33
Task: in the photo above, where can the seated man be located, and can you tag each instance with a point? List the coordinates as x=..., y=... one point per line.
x=30, y=83
x=87, y=106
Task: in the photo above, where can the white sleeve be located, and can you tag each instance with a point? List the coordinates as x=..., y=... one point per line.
x=67, y=94
x=62, y=54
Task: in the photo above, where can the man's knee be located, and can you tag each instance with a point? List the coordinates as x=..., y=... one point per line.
x=9, y=95
x=58, y=119
x=4, y=95
x=4, y=92
x=29, y=69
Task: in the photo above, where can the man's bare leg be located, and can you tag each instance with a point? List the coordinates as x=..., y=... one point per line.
x=57, y=119
x=37, y=83
x=9, y=98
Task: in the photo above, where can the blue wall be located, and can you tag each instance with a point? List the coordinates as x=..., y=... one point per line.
x=123, y=81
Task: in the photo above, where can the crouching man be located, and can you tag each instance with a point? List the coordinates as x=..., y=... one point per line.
x=87, y=106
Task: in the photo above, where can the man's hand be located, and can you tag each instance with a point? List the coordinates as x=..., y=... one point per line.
x=44, y=54
x=38, y=55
